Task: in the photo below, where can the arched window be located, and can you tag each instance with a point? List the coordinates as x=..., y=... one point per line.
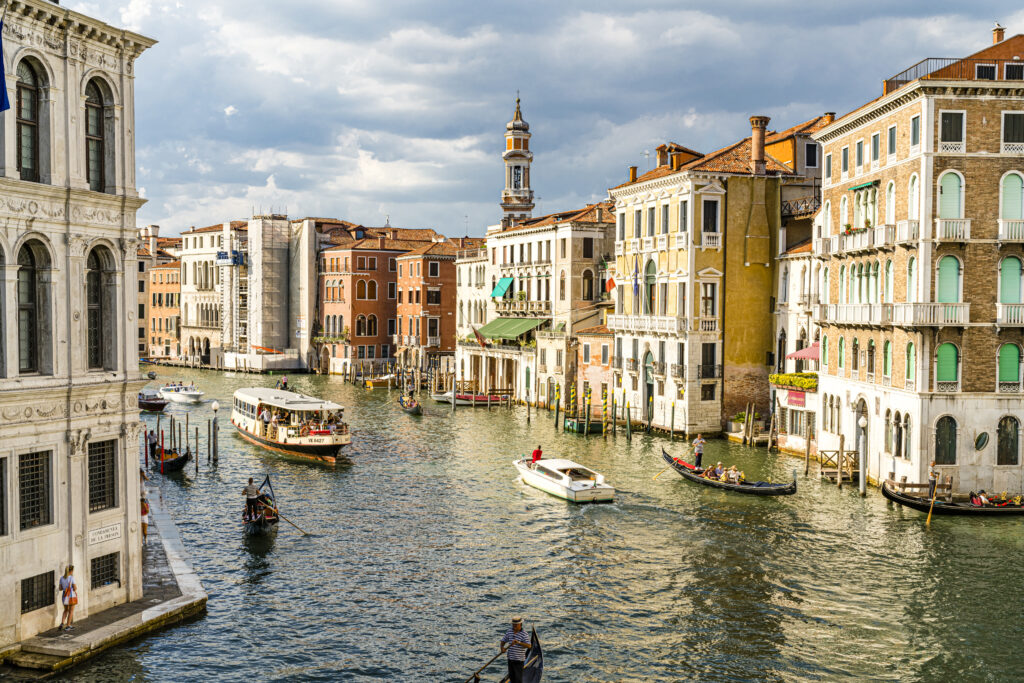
x=949, y=279
x=462, y=317
x=95, y=138
x=650, y=285
x=780, y=360
x=890, y=203
x=906, y=436
x=561, y=289
x=1010, y=280
x=871, y=356
x=361, y=289
x=28, y=311
x=827, y=219
x=784, y=288
x=855, y=355
x=897, y=436
x=911, y=363
x=824, y=354
x=101, y=301
x=887, y=359
x=842, y=353
x=361, y=326
x=911, y=280
x=588, y=285
x=913, y=207
x=371, y=326
x=1012, y=204
x=888, y=431
x=371, y=290
x=873, y=296
x=888, y=282
x=945, y=441
x=947, y=369
x=339, y=325
x=842, y=285
x=1008, y=440
x=1009, y=367
x=843, y=222
x=27, y=115
x=950, y=205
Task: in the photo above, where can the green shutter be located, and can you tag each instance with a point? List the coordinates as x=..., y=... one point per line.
x=887, y=360
x=949, y=197
x=1013, y=197
x=911, y=361
x=842, y=351
x=1009, y=363
x=949, y=280
x=947, y=356
x=1009, y=281
x=824, y=353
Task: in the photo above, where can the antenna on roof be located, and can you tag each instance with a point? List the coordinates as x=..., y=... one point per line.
x=466, y=216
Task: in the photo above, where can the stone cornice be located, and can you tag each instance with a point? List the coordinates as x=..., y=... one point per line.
x=73, y=24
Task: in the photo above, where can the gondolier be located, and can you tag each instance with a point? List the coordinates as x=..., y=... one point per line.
x=516, y=642
x=698, y=450
x=933, y=477
x=252, y=493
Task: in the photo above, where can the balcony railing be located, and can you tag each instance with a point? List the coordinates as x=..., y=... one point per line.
x=663, y=324
x=681, y=240
x=1008, y=387
x=542, y=368
x=433, y=341
x=947, y=387
x=631, y=364
x=648, y=244
x=620, y=248
x=907, y=231
x=857, y=240
x=710, y=240
x=678, y=371
x=709, y=371
x=885, y=236
x=1012, y=147
x=952, y=229
x=658, y=367
x=858, y=314
x=801, y=206
x=823, y=246
x=930, y=315
x=617, y=362
x=1010, y=315
x=951, y=147
x=707, y=324
x=910, y=384
x=662, y=242
x=957, y=69
x=1011, y=230
x=633, y=245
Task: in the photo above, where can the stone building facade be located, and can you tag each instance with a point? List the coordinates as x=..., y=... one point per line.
x=202, y=296
x=922, y=229
x=164, y=309
x=69, y=377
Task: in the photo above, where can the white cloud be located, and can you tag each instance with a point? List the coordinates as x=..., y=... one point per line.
x=230, y=110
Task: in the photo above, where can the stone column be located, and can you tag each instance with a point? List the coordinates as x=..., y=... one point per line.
x=75, y=306
x=9, y=158
x=9, y=344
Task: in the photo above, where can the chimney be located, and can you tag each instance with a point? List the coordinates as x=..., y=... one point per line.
x=380, y=241
x=998, y=32
x=757, y=128
x=677, y=160
x=152, y=231
x=830, y=117
x=662, y=155
x=632, y=174
x=600, y=214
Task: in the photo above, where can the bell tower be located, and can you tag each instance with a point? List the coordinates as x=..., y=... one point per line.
x=517, y=197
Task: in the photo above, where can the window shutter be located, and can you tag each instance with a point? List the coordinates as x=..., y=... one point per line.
x=911, y=361
x=1009, y=363
x=824, y=353
x=949, y=280
x=947, y=363
x=887, y=360
x=1009, y=281
x=1013, y=189
x=949, y=196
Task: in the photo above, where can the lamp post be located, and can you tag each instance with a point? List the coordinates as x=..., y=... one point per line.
x=216, y=407
x=863, y=423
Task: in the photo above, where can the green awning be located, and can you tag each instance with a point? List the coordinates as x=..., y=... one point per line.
x=863, y=185
x=509, y=328
x=501, y=287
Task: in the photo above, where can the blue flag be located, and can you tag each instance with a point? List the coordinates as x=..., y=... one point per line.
x=636, y=276
x=5, y=103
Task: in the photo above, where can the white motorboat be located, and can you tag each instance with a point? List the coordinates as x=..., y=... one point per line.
x=181, y=394
x=565, y=479
x=447, y=398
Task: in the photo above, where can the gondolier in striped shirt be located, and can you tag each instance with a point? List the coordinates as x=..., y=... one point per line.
x=516, y=642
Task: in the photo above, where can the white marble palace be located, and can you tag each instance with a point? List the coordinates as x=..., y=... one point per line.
x=69, y=373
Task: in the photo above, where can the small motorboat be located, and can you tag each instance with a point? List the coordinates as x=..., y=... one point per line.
x=168, y=460
x=410, y=405
x=151, y=401
x=466, y=399
x=180, y=393
x=565, y=479
x=944, y=507
x=264, y=521
x=382, y=382
x=151, y=374
x=578, y=425
x=757, y=488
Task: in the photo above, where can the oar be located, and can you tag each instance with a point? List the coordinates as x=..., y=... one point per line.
x=663, y=472
x=476, y=673
x=930, y=507
x=284, y=518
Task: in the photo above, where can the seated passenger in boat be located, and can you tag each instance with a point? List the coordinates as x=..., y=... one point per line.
x=733, y=475
x=719, y=471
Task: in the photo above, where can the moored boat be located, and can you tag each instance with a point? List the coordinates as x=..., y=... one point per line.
x=151, y=401
x=467, y=399
x=298, y=425
x=266, y=519
x=382, y=382
x=565, y=479
x=180, y=393
x=169, y=460
x=410, y=405
x=578, y=425
x=757, y=488
x=943, y=507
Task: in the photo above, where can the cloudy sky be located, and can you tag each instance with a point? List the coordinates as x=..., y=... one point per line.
x=360, y=109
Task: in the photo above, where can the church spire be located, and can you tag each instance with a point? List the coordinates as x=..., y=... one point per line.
x=517, y=197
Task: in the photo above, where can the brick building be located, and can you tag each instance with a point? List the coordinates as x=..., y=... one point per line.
x=922, y=233
x=164, y=322
x=594, y=347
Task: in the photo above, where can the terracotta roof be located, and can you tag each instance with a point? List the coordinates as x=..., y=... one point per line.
x=373, y=244
x=235, y=225
x=673, y=147
x=167, y=266
x=587, y=214
x=735, y=159
x=805, y=128
x=804, y=247
x=143, y=251
x=168, y=241
x=435, y=249
x=597, y=329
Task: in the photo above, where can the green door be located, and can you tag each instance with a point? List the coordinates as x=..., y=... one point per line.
x=1009, y=281
x=947, y=363
x=1009, y=363
x=949, y=196
x=949, y=280
x=1013, y=197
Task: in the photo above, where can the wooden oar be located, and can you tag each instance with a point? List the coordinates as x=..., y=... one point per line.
x=662, y=472
x=928, y=521
x=284, y=518
x=476, y=673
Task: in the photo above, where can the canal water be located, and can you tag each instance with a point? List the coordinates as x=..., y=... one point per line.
x=421, y=550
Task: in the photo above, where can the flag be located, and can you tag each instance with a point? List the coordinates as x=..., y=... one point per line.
x=610, y=285
x=636, y=276
x=5, y=103
x=480, y=339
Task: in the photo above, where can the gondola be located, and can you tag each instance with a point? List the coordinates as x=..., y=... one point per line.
x=266, y=520
x=409, y=405
x=756, y=488
x=533, y=670
x=922, y=504
x=172, y=462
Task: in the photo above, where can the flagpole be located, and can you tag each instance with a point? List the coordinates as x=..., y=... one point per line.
x=7, y=5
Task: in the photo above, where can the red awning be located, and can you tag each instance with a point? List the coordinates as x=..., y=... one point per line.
x=811, y=352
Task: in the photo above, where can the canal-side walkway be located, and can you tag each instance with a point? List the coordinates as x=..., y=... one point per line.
x=172, y=593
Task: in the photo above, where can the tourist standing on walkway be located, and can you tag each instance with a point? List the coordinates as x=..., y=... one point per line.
x=145, y=519
x=698, y=450
x=68, y=597
x=151, y=439
x=516, y=641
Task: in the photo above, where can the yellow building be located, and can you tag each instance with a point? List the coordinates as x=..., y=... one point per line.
x=696, y=242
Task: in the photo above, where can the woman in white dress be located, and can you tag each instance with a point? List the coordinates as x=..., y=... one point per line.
x=69, y=597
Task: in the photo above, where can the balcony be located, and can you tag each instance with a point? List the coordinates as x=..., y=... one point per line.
x=522, y=307
x=434, y=341
x=823, y=247
x=857, y=314
x=662, y=242
x=396, y=340
x=709, y=372
x=857, y=240
x=617, y=362
x=539, y=307
x=620, y=248
x=557, y=370
x=947, y=387
x=631, y=364
x=681, y=240
x=886, y=380
x=930, y=315
x=678, y=371
x=951, y=147
x=957, y=69
x=633, y=245
x=542, y=368
x=656, y=324
x=659, y=368
x=907, y=231
x=910, y=384
x=542, y=261
x=952, y=229
x=802, y=206
x=885, y=236
x=1011, y=230
x=648, y=244
x=1012, y=147
x=710, y=240
x=1010, y=315
x=707, y=325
